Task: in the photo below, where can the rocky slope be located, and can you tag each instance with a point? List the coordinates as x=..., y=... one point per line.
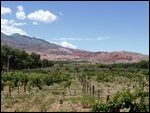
x=55, y=52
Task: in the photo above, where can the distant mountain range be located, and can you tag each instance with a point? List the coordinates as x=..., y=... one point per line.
x=56, y=52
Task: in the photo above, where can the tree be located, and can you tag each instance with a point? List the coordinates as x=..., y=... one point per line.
x=143, y=64
x=5, y=55
x=17, y=59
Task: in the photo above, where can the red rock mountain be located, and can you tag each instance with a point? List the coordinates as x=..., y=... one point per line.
x=55, y=52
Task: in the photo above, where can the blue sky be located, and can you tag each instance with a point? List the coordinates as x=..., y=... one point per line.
x=86, y=25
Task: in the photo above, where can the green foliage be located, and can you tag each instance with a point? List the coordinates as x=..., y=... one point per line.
x=37, y=81
x=34, y=78
x=2, y=85
x=61, y=65
x=67, y=84
x=141, y=65
x=56, y=92
x=124, y=99
x=21, y=60
x=48, y=80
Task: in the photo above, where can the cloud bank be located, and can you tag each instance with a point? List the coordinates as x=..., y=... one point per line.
x=83, y=39
x=8, y=27
x=5, y=10
x=64, y=44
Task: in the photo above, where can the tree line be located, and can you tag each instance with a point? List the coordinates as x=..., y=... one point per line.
x=15, y=59
x=139, y=65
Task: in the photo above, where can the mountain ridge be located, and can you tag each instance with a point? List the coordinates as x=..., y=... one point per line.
x=56, y=52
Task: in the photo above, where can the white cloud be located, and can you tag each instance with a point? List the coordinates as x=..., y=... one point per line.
x=5, y=10
x=20, y=8
x=35, y=23
x=20, y=14
x=8, y=27
x=18, y=24
x=42, y=16
x=83, y=39
x=61, y=13
x=52, y=42
x=103, y=38
x=4, y=21
x=66, y=44
x=77, y=39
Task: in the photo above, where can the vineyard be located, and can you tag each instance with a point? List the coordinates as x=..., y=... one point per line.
x=75, y=88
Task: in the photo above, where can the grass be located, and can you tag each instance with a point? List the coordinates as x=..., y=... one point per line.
x=72, y=99
x=23, y=109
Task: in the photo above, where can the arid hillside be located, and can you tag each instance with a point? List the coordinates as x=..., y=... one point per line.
x=56, y=52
